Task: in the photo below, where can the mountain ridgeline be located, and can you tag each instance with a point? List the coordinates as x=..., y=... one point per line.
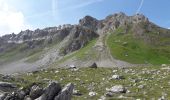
x=117, y=40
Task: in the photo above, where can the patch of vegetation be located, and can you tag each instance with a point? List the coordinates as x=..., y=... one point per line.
x=154, y=81
x=125, y=47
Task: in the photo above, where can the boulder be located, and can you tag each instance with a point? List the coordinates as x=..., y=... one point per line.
x=51, y=91
x=66, y=92
x=36, y=92
x=94, y=65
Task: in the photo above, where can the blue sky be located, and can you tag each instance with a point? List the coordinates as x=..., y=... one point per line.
x=17, y=15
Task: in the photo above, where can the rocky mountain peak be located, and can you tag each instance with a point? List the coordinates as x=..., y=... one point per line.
x=89, y=22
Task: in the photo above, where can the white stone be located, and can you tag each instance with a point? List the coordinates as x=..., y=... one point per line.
x=91, y=94
x=117, y=89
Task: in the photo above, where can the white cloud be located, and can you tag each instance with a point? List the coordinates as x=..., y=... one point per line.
x=86, y=3
x=140, y=6
x=11, y=20
x=75, y=4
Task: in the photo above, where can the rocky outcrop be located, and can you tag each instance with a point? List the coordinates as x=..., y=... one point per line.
x=89, y=22
x=5, y=86
x=50, y=92
x=78, y=38
x=53, y=91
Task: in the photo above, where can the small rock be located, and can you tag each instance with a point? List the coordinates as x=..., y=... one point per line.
x=117, y=77
x=102, y=98
x=109, y=94
x=118, y=89
x=114, y=71
x=76, y=93
x=91, y=94
x=141, y=86
x=163, y=65
x=56, y=71
x=72, y=66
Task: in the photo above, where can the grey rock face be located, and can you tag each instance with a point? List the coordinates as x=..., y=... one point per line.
x=50, y=92
x=66, y=92
x=78, y=38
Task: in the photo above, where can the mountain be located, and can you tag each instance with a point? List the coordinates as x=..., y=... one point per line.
x=116, y=41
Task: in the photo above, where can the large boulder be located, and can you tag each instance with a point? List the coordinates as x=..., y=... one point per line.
x=66, y=92
x=35, y=92
x=51, y=91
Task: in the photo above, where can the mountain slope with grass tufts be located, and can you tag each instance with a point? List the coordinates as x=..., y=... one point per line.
x=116, y=41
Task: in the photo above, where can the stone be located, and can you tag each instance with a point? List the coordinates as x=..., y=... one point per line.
x=94, y=65
x=109, y=94
x=102, y=98
x=141, y=86
x=76, y=93
x=91, y=94
x=117, y=77
x=27, y=98
x=72, y=66
x=117, y=89
x=163, y=65
x=66, y=92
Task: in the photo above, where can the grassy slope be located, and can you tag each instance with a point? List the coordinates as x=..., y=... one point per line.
x=125, y=47
x=16, y=53
x=155, y=85
x=82, y=53
x=22, y=51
